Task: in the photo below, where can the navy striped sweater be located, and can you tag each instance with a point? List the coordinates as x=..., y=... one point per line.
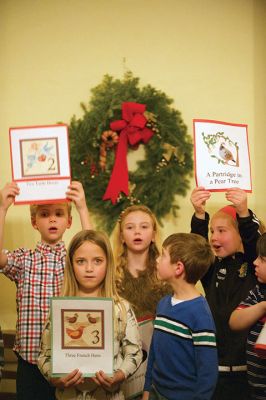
x=183, y=361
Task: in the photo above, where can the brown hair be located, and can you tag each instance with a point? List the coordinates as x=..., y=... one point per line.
x=261, y=245
x=120, y=249
x=193, y=251
x=34, y=208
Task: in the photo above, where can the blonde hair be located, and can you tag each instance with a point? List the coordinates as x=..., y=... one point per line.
x=224, y=215
x=193, y=250
x=34, y=208
x=234, y=222
x=70, y=285
x=108, y=289
x=120, y=248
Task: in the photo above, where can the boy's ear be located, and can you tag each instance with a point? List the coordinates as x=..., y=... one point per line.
x=179, y=268
x=33, y=223
x=69, y=222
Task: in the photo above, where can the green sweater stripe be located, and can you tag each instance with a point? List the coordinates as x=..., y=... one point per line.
x=199, y=338
x=172, y=327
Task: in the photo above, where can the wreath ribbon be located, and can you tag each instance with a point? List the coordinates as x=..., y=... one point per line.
x=132, y=130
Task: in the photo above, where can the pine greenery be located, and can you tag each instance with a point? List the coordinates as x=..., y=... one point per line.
x=154, y=183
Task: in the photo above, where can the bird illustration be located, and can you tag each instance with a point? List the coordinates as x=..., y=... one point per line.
x=75, y=333
x=92, y=320
x=72, y=319
x=46, y=149
x=226, y=154
x=31, y=159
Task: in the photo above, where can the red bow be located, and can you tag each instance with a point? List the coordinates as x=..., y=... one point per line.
x=132, y=129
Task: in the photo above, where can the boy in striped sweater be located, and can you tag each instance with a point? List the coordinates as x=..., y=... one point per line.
x=182, y=361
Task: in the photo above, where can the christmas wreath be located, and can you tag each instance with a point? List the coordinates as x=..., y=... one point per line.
x=120, y=116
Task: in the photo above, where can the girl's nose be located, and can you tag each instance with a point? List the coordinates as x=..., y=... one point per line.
x=89, y=267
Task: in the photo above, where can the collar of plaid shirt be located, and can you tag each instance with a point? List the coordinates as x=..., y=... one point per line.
x=44, y=248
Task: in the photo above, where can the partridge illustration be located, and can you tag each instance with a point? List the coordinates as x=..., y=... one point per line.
x=75, y=333
x=92, y=320
x=72, y=319
x=225, y=153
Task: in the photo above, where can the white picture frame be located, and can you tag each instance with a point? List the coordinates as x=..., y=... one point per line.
x=40, y=163
x=82, y=335
x=221, y=155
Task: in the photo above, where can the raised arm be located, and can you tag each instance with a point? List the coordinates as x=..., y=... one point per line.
x=200, y=219
x=238, y=198
x=198, y=198
x=7, y=197
x=244, y=318
x=248, y=223
x=77, y=195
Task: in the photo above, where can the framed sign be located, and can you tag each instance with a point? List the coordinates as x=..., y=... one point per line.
x=82, y=335
x=40, y=163
x=221, y=155
x=133, y=386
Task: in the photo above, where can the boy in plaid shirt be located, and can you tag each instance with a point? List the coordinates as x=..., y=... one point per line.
x=38, y=275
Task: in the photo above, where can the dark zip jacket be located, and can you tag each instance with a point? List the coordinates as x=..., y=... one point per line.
x=226, y=284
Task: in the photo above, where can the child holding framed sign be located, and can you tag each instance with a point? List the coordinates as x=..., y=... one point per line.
x=234, y=230
x=38, y=275
x=89, y=273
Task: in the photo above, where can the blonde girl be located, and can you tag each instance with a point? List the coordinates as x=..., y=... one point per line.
x=136, y=242
x=89, y=272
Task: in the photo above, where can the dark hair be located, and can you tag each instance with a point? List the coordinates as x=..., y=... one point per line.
x=193, y=251
x=261, y=245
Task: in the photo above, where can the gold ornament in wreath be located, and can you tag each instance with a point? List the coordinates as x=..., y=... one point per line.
x=120, y=116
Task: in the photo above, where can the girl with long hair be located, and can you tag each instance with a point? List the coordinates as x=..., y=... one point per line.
x=89, y=272
x=136, y=248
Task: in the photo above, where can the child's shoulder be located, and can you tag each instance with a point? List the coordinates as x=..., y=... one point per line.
x=122, y=304
x=165, y=301
x=201, y=311
x=20, y=251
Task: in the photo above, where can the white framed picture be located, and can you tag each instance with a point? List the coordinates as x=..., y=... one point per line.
x=82, y=335
x=221, y=155
x=40, y=163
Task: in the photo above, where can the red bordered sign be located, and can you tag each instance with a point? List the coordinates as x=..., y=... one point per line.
x=40, y=163
x=221, y=155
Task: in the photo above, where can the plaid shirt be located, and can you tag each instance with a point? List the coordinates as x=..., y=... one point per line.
x=38, y=276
